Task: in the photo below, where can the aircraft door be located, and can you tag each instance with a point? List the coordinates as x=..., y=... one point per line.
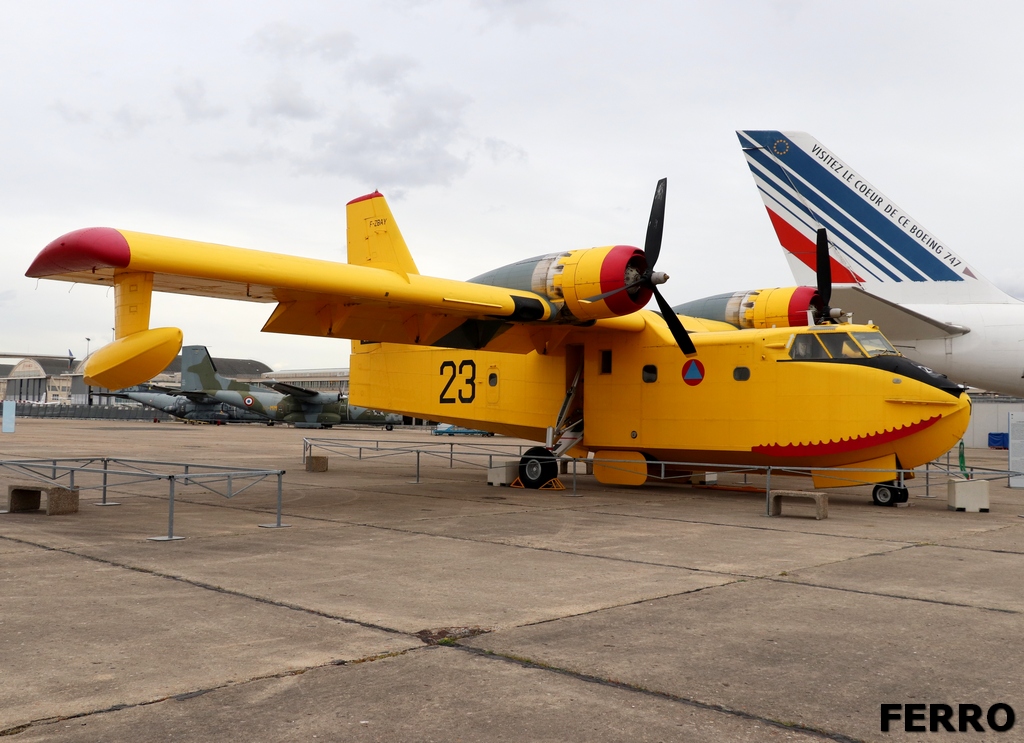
x=493, y=385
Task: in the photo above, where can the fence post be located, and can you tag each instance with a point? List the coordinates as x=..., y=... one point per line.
x=278, y=525
x=170, y=515
x=768, y=493
x=104, y=501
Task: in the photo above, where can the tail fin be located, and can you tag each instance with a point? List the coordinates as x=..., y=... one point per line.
x=198, y=372
x=874, y=244
x=374, y=238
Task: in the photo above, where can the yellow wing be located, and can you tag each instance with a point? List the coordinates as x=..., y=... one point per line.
x=377, y=296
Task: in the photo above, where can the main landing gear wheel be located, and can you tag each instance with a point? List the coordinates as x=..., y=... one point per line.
x=537, y=467
x=888, y=494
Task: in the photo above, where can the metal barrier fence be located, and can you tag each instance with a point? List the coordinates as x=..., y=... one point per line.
x=101, y=412
x=483, y=455
x=101, y=473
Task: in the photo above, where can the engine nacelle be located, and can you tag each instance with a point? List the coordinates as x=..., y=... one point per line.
x=758, y=308
x=588, y=273
x=569, y=279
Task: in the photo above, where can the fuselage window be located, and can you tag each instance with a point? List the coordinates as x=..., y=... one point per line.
x=650, y=373
x=606, y=362
x=492, y=379
x=741, y=373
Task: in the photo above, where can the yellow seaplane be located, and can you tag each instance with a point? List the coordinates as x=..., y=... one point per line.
x=557, y=348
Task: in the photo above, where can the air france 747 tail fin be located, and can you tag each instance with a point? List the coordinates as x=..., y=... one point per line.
x=874, y=244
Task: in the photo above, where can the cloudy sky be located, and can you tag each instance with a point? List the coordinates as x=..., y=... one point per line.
x=498, y=130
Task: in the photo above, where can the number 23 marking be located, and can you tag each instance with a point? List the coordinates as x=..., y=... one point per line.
x=452, y=373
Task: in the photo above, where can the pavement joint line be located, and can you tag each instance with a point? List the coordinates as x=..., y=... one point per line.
x=637, y=602
x=759, y=528
x=973, y=549
x=881, y=594
x=195, y=693
x=744, y=576
x=401, y=530
x=551, y=550
x=707, y=706
x=211, y=587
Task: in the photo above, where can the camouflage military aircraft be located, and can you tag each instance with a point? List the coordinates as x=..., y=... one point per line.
x=286, y=403
x=192, y=408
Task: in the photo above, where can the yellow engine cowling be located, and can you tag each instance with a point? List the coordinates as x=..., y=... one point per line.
x=589, y=273
x=759, y=308
x=572, y=278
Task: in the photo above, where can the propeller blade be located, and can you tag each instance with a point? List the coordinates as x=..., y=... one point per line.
x=656, y=224
x=824, y=272
x=675, y=325
x=624, y=287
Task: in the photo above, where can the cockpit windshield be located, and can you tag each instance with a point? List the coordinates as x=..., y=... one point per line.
x=837, y=345
x=841, y=346
x=875, y=344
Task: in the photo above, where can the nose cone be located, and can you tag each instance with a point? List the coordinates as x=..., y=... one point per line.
x=943, y=425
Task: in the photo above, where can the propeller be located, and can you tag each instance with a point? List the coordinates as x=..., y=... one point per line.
x=824, y=275
x=651, y=278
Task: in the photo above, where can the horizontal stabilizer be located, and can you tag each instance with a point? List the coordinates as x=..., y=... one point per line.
x=895, y=320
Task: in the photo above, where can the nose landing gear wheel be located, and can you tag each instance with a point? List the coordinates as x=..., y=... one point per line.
x=537, y=467
x=888, y=494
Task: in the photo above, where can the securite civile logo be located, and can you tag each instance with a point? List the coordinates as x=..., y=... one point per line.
x=947, y=718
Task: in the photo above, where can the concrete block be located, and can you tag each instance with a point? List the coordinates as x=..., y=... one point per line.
x=967, y=495
x=59, y=500
x=316, y=464
x=704, y=478
x=503, y=473
x=820, y=501
x=583, y=467
x=23, y=498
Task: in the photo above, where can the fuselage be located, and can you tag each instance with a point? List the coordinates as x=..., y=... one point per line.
x=181, y=407
x=744, y=398
x=990, y=356
x=322, y=409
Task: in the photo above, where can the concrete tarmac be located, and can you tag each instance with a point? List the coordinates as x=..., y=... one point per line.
x=447, y=610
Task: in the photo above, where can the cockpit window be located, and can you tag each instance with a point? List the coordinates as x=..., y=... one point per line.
x=806, y=347
x=875, y=344
x=841, y=346
x=838, y=345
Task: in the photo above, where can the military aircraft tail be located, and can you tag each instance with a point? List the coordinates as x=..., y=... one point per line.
x=374, y=238
x=198, y=372
x=874, y=244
